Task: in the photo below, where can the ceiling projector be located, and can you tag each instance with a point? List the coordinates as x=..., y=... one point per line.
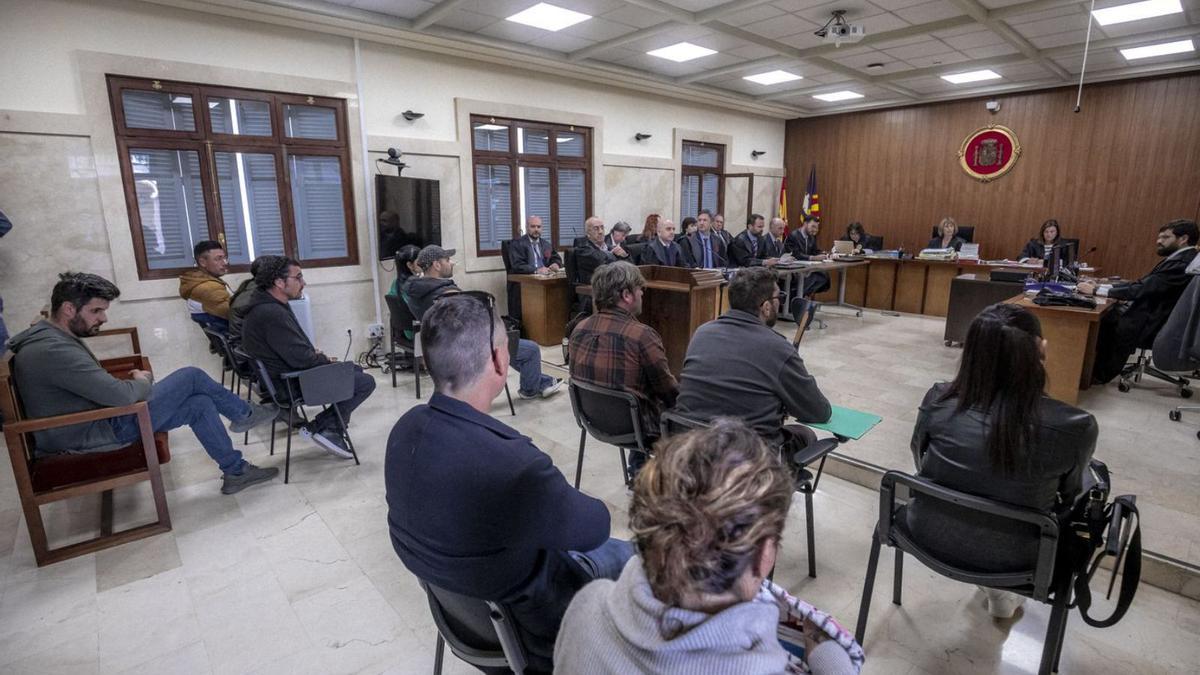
x=837, y=31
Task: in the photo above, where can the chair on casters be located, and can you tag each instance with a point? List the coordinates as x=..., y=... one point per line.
x=1133, y=372
x=480, y=632
x=1038, y=583
x=325, y=386
x=401, y=320
x=611, y=416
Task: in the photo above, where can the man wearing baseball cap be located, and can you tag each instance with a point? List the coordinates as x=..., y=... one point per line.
x=422, y=292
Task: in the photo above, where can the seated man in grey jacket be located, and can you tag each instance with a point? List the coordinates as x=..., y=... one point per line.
x=738, y=366
x=57, y=374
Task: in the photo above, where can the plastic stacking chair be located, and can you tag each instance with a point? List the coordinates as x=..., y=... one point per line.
x=480, y=632
x=1038, y=583
x=610, y=416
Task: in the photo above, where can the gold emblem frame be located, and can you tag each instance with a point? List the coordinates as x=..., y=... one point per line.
x=1012, y=161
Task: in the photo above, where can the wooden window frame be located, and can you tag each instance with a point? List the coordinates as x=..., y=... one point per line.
x=516, y=161
x=207, y=143
x=693, y=170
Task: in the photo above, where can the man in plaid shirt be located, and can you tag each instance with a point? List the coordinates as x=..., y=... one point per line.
x=613, y=349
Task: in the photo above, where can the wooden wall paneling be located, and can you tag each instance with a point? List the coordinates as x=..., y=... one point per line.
x=1111, y=174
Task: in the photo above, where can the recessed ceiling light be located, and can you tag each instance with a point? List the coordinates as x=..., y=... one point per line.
x=548, y=17
x=1135, y=11
x=683, y=51
x=838, y=96
x=1159, y=50
x=773, y=77
x=973, y=76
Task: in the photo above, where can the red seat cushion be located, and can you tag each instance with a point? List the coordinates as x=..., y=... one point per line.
x=52, y=472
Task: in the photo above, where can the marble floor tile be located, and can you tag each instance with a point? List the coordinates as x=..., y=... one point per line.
x=248, y=624
x=136, y=560
x=191, y=659
x=76, y=656
x=144, y=620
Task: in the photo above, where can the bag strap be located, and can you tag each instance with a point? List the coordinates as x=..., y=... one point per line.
x=1123, y=508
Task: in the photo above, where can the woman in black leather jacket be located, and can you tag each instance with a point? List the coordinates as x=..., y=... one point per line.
x=992, y=432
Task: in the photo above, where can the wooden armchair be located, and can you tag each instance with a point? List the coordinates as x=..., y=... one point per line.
x=42, y=480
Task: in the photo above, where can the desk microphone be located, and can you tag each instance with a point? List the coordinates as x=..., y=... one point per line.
x=349, y=342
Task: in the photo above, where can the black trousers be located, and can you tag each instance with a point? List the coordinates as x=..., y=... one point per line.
x=1116, y=341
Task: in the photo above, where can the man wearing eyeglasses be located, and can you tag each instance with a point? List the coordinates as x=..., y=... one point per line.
x=474, y=507
x=437, y=265
x=271, y=333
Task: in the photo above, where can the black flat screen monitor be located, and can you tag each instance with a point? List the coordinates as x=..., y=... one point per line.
x=408, y=211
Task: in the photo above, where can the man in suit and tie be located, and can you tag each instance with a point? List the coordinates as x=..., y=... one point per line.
x=531, y=254
x=802, y=244
x=704, y=247
x=663, y=250
x=775, y=246
x=749, y=248
x=593, y=251
x=722, y=233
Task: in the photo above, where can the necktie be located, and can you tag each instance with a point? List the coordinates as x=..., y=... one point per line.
x=707, y=245
x=753, y=245
x=670, y=255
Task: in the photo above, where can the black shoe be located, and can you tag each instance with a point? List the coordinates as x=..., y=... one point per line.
x=250, y=475
x=330, y=440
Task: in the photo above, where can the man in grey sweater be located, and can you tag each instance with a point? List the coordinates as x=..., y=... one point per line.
x=738, y=366
x=57, y=374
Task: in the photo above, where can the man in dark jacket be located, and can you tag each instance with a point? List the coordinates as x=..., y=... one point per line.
x=1150, y=300
x=531, y=254
x=802, y=244
x=704, y=248
x=748, y=248
x=473, y=506
x=591, y=251
x=58, y=375
x=271, y=334
x=663, y=250
x=422, y=292
x=239, y=304
x=761, y=379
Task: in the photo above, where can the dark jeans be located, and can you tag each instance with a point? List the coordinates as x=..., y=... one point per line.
x=364, y=384
x=190, y=397
x=209, y=321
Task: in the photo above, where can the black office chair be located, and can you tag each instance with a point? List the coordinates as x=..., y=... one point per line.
x=1133, y=373
x=480, y=632
x=215, y=340
x=874, y=243
x=511, y=288
x=324, y=385
x=635, y=251
x=1038, y=583
x=967, y=232
x=401, y=319
x=611, y=416
x=673, y=422
x=241, y=367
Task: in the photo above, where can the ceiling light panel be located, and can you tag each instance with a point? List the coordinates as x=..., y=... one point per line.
x=773, y=77
x=837, y=96
x=1163, y=49
x=973, y=76
x=682, y=51
x=548, y=17
x=1136, y=11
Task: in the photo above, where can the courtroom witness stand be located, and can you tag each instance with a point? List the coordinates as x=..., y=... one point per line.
x=949, y=236
x=272, y=334
x=613, y=349
x=993, y=433
x=707, y=515
x=663, y=250
x=202, y=288
x=531, y=254
x=437, y=265
x=1150, y=300
x=738, y=366
x=704, y=248
x=57, y=375
x=473, y=506
x=747, y=248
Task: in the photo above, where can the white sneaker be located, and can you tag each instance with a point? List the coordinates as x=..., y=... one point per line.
x=552, y=389
x=1002, y=604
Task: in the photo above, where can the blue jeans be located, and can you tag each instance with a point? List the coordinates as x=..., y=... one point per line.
x=607, y=560
x=209, y=321
x=190, y=397
x=529, y=364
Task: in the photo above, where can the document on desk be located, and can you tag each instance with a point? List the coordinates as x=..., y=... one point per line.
x=848, y=422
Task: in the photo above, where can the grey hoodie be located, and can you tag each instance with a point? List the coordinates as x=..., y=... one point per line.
x=57, y=374
x=620, y=627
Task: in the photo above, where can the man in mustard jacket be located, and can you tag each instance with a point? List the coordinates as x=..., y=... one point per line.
x=207, y=295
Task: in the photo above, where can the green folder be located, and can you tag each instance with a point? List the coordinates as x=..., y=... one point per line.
x=848, y=422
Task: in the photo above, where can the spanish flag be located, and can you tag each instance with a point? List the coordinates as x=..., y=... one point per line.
x=812, y=201
x=783, y=199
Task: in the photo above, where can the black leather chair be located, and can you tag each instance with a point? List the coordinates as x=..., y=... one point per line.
x=611, y=416
x=967, y=232
x=511, y=288
x=401, y=319
x=216, y=340
x=240, y=367
x=1040, y=583
x=874, y=243
x=480, y=632
x=324, y=385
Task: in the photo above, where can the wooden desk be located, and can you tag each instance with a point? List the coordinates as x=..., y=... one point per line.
x=911, y=286
x=1070, y=335
x=543, y=307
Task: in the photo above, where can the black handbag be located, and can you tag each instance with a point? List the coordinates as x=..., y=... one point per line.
x=1103, y=528
x=1049, y=298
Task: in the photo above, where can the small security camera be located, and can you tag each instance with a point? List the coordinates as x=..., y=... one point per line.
x=993, y=106
x=411, y=116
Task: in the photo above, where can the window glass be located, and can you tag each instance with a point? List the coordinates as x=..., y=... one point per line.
x=700, y=155
x=310, y=121
x=535, y=196
x=533, y=141
x=569, y=143
x=249, y=192
x=572, y=205
x=318, y=206
x=158, y=110
x=170, y=202
x=241, y=117
x=493, y=201
x=490, y=136
x=709, y=191
x=691, y=196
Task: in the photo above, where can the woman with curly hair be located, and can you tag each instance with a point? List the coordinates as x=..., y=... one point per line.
x=707, y=515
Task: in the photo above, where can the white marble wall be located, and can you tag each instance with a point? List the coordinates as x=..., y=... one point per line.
x=631, y=193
